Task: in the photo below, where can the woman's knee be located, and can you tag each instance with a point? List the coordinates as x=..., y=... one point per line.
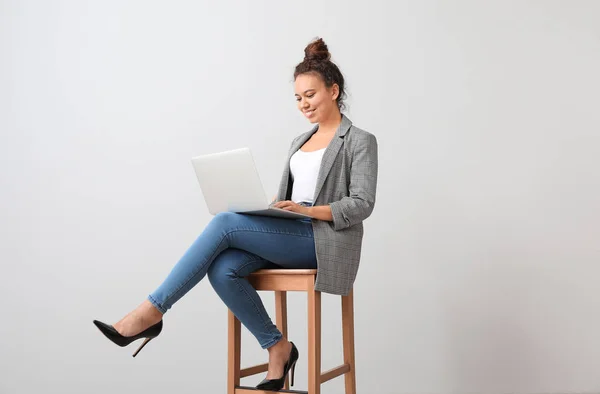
x=223, y=267
x=226, y=220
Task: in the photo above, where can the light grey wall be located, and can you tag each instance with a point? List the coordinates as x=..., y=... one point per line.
x=480, y=262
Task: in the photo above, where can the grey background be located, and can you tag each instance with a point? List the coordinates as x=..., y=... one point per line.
x=480, y=261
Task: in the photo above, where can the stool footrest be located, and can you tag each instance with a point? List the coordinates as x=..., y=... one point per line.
x=254, y=370
x=335, y=372
x=252, y=390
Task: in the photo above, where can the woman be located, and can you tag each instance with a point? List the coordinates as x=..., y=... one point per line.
x=331, y=175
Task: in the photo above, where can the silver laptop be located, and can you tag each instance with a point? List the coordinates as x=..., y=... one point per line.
x=230, y=183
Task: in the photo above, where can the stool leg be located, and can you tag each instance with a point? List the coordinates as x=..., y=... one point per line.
x=233, y=352
x=348, y=339
x=281, y=318
x=314, y=341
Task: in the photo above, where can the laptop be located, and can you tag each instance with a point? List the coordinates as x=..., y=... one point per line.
x=230, y=183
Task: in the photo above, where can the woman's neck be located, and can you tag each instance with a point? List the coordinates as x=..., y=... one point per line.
x=331, y=124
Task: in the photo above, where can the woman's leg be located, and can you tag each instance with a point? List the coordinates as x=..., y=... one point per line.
x=227, y=274
x=267, y=237
x=272, y=239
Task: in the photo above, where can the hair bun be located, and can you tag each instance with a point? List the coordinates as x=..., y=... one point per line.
x=317, y=50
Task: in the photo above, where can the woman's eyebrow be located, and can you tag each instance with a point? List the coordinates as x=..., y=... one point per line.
x=306, y=91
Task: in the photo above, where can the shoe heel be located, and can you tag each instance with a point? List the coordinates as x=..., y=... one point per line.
x=292, y=374
x=142, y=346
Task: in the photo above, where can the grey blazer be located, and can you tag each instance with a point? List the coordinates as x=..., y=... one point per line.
x=347, y=182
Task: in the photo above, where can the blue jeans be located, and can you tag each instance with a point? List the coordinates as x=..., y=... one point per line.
x=231, y=247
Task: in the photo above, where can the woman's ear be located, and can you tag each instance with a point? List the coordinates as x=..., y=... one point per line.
x=335, y=91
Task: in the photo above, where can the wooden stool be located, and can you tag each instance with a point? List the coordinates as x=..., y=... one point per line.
x=280, y=281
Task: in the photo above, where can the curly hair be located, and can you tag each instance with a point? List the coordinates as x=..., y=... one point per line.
x=317, y=60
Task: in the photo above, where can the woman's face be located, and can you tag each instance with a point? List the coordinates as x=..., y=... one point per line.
x=314, y=99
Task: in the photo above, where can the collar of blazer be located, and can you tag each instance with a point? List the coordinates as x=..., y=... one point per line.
x=330, y=153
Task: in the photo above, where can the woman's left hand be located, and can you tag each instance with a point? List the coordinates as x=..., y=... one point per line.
x=292, y=206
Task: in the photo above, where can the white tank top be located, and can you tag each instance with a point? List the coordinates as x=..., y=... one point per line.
x=305, y=169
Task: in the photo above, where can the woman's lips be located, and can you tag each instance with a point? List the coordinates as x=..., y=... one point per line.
x=310, y=113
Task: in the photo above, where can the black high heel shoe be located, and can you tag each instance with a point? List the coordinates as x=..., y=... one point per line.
x=118, y=339
x=277, y=384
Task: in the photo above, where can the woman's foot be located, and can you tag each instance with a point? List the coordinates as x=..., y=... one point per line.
x=138, y=320
x=279, y=354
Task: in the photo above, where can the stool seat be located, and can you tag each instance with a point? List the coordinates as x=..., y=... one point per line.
x=281, y=281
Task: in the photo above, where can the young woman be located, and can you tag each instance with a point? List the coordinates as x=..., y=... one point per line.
x=330, y=175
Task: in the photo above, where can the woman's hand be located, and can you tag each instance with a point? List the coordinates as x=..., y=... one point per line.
x=292, y=206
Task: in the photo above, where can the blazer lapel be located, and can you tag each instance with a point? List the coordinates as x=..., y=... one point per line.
x=331, y=153
x=328, y=158
x=301, y=142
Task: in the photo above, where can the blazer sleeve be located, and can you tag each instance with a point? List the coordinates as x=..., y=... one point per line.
x=358, y=206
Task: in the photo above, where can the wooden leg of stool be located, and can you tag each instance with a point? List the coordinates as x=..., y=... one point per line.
x=233, y=353
x=348, y=339
x=314, y=341
x=281, y=317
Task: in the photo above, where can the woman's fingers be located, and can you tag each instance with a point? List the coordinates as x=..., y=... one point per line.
x=287, y=205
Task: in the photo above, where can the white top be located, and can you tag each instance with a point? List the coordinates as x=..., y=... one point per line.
x=305, y=169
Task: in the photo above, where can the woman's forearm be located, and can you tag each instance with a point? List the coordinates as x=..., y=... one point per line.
x=321, y=212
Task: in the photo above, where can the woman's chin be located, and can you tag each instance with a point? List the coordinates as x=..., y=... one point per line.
x=313, y=119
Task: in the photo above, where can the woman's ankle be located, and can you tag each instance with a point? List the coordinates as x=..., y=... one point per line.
x=150, y=311
x=142, y=317
x=280, y=346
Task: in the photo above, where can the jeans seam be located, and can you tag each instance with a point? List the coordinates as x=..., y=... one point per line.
x=269, y=232
x=271, y=342
x=236, y=272
x=236, y=278
x=157, y=304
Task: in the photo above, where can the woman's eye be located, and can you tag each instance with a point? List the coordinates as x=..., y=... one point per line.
x=307, y=96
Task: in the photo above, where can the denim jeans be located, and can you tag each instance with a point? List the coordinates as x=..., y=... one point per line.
x=231, y=247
